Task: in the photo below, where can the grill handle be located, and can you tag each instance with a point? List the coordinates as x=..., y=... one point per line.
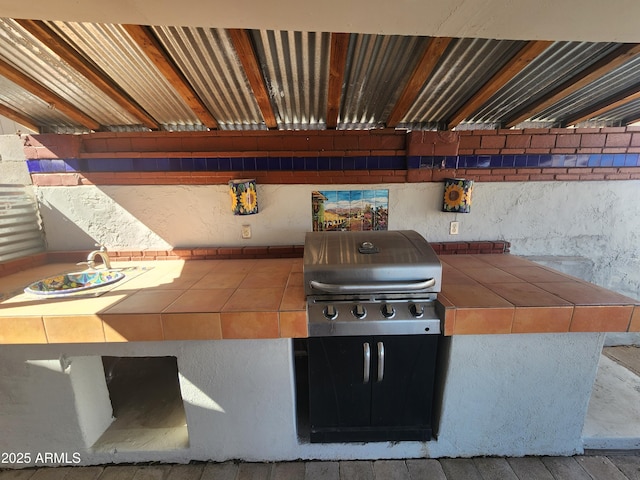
x=380, y=361
x=373, y=287
x=367, y=362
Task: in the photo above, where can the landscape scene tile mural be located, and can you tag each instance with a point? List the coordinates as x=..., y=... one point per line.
x=345, y=210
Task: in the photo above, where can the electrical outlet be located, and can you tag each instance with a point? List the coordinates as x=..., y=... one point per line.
x=246, y=231
x=454, y=228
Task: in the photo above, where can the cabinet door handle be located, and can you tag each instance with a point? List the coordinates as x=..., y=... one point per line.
x=367, y=362
x=380, y=361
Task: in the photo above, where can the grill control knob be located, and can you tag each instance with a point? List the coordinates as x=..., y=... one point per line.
x=359, y=311
x=417, y=310
x=387, y=310
x=330, y=312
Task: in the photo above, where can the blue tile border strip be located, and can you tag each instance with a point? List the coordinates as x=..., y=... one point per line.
x=526, y=161
x=190, y=164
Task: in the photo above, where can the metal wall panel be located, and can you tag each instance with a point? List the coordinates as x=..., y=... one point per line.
x=20, y=232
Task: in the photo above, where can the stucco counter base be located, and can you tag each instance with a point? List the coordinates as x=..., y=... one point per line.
x=500, y=395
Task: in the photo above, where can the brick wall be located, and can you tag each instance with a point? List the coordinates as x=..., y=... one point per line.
x=329, y=157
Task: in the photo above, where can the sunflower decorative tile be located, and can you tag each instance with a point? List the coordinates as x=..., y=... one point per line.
x=244, y=196
x=457, y=195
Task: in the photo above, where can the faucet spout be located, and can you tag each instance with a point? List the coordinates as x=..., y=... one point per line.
x=102, y=254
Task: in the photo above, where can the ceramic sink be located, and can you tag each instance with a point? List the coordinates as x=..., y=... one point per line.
x=74, y=282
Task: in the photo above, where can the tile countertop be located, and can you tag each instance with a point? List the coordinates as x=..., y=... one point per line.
x=174, y=300
x=484, y=294
x=232, y=299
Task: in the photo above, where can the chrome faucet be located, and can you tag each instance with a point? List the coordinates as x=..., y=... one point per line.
x=102, y=253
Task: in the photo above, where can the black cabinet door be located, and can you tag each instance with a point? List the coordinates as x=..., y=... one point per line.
x=402, y=384
x=339, y=396
x=385, y=394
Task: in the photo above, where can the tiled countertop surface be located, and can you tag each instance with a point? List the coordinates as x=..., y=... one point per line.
x=174, y=300
x=216, y=299
x=508, y=294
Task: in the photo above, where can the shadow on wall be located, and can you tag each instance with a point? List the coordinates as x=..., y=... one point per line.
x=161, y=217
x=78, y=218
x=56, y=224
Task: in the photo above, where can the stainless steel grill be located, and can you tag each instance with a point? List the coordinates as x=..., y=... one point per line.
x=371, y=283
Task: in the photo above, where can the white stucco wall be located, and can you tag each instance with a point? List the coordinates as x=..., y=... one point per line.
x=596, y=221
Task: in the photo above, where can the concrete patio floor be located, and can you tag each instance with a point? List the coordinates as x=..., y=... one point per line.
x=610, y=467
x=613, y=417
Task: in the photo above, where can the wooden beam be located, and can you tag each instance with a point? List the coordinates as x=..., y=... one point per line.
x=16, y=76
x=514, y=66
x=66, y=52
x=152, y=48
x=427, y=63
x=247, y=56
x=337, y=65
x=619, y=56
x=616, y=101
x=20, y=118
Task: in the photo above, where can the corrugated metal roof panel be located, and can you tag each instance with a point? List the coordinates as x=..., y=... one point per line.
x=209, y=61
x=466, y=65
x=295, y=66
x=618, y=80
x=19, y=48
x=377, y=69
x=624, y=114
x=558, y=63
x=115, y=52
x=50, y=119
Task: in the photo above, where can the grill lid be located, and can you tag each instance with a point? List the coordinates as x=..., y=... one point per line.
x=374, y=261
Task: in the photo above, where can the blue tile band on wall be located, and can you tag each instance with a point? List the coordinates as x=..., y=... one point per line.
x=191, y=164
x=526, y=161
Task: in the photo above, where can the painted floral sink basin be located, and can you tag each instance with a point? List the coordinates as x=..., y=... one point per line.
x=74, y=282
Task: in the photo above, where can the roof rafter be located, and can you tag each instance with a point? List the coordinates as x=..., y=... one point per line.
x=16, y=76
x=20, y=118
x=337, y=65
x=514, y=66
x=247, y=56
x=427, y=63
x=66, y=52
x=622, y=98
x=619, y=56
x=150, y=45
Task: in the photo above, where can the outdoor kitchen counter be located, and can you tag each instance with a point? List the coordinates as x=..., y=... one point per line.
x=235, y=299
x=497, y=294
x=172, y=300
